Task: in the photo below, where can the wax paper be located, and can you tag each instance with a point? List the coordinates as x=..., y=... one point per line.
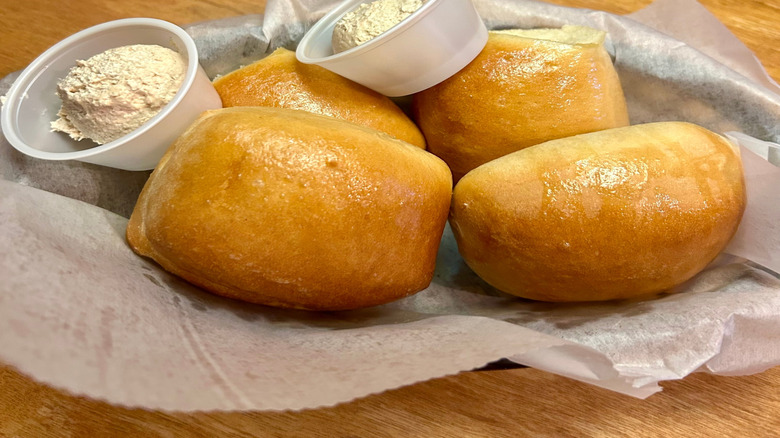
x=80, y=311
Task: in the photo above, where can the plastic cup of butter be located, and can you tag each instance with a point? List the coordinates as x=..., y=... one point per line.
x=427, y=47
x=32, y=102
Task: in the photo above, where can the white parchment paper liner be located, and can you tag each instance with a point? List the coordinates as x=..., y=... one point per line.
x=80, y=311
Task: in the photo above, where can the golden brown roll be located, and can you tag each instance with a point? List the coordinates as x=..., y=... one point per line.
x=524, y=88
x=280, y=80
x=291, y=209
x=613, y=214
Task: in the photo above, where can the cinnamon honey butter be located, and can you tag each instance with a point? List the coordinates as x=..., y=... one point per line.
x=370, y=20
x=114, y=92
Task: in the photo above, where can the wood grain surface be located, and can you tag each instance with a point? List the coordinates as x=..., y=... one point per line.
x=520, y=402
x=507, y=403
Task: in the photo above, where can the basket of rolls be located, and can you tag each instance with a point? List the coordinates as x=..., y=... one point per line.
x=555, y=197
x=574, y=197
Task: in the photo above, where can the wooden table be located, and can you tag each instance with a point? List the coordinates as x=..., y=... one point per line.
x=520, y=402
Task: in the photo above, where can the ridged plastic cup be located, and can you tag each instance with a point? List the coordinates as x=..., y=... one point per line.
x=32, y=102
x=429, y=46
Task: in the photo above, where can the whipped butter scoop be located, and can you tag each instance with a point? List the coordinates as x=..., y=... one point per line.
x=114, y=92
x=370, y=20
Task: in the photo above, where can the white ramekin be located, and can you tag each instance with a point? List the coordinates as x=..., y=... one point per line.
x=429, y=46
x=32, y=102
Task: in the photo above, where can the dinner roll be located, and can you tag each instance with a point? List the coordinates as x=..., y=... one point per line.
x=280, y=80
x=292, y=209
x=612, y=214
x=524, y=88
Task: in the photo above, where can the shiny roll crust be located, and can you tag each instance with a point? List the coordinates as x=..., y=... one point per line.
x=524, y=88
x=607, y=215
x=280, y=80
x=291, y=209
